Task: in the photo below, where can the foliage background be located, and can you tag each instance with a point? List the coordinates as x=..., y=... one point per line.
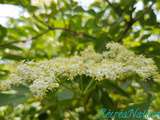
x=64, y=28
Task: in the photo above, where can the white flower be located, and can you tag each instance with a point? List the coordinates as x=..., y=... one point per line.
x=114, y=64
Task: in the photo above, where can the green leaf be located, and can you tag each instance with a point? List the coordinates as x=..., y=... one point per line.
x=12, y=57
x=3, y=32
x=114, y=87
x=10, y=46
x=14, y=97
x=64, y=94
x=3, y=73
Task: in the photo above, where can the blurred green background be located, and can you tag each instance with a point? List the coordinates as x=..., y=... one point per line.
x=45, y=29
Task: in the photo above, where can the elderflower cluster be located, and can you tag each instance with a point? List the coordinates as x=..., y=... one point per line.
x=38, y=76
x=116, y=63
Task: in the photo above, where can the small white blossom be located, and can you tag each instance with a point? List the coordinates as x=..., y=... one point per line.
x=116, y=63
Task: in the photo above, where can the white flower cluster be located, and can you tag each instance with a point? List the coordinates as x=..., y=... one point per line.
x=39, y=76
x=116, y=63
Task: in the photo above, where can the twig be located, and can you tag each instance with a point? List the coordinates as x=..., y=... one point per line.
x=128, y=27
x=113, y=7
x=130, y=23
x=75, y=33
x=23, y=41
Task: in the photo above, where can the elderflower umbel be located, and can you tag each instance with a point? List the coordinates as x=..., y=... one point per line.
x=116, y=63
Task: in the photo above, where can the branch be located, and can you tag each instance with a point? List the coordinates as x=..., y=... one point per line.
x=23, y=41
x=113, y=7
x=128, y=27
x=76, y=34
x=131, y=22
